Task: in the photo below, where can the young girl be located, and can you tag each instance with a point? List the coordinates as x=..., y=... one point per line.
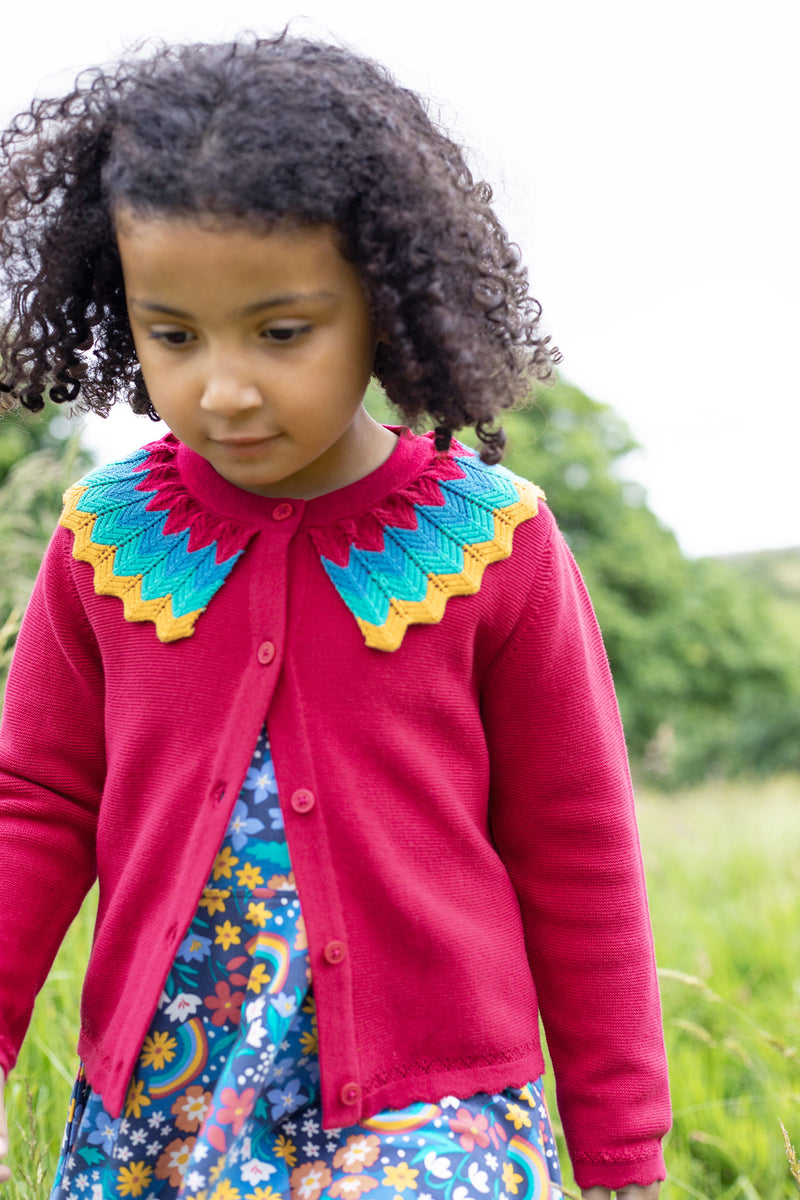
x=321, y=704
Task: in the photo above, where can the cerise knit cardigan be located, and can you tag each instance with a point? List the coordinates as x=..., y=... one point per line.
x=458, y=809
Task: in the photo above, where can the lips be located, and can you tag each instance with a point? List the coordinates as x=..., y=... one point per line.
x=235, y=443
x=243, y=447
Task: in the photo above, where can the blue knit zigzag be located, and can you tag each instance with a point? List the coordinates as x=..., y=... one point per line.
x=402, y=569
x=142, y=547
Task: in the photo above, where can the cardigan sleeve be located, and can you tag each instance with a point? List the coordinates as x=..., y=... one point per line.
x=51, y=777
x=563, y=822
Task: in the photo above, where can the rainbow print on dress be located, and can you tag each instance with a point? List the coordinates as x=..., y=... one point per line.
x=410, y=580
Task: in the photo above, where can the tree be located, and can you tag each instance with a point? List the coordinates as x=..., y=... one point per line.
x=39, y=459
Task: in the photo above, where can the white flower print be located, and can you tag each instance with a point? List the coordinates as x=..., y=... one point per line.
x=478, y=1178
x=184, y=1005
x=438, y=1167
x=256, y=1034
x=255, y=1008
x=256, y=1171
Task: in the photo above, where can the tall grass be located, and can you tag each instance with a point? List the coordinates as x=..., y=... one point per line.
x=724, y=877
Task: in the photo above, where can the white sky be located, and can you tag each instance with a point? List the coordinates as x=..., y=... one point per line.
x=645, y=156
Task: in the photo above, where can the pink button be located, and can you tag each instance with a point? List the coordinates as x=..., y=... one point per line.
x=302, y=800
x=266, y=653
x=281, y=511
x=334, y=953
x=350, y=1093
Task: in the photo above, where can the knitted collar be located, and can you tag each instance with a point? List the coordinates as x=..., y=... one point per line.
x=396, y=545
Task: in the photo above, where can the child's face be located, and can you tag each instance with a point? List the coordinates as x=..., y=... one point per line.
x=256, y=349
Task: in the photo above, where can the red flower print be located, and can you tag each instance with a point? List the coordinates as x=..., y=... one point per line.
x=235, y=1108
x=471, y=1127
x=225, y=1005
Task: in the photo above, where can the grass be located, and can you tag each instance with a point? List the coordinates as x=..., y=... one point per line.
x=724, y=878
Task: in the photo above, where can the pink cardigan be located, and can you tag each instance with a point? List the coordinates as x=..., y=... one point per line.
x=458, y=808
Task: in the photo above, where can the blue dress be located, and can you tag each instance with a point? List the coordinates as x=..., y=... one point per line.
x=224, y=1102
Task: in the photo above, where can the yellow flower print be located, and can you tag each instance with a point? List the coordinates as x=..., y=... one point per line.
x=285, y=1149
x=309, y=1043
x=136, y=1100
x=250, y=876
x=518, y=1116
x=158, y=1050
x=400, y=1177
x=225, y=1191
x=213, y=899
x=132, y=1180
x=224, y=863
x=258, y=978
x=227, y=935
x=309, y=1004
x=511, y=1180
x=301, y=941
x=257, y=914
x=263, y=1193
x=527, y=1094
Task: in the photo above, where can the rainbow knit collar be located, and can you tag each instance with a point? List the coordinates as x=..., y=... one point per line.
x=165, y=556
x=149, y=542
x=403, y=566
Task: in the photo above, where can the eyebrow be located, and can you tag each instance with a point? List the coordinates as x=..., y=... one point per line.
x=280, y=301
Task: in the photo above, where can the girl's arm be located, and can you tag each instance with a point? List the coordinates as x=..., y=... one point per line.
x=563, y=823
x=52, y=767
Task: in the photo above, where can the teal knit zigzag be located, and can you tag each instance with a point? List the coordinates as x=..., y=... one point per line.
x=117, y=495
x=402, y=569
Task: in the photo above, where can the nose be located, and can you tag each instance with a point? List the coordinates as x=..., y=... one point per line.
x=226, y=393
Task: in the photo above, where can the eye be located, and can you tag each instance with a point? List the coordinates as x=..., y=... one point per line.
x=171, y=337
x=284, y=333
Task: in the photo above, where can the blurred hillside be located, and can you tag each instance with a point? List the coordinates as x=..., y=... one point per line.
x=777, y=571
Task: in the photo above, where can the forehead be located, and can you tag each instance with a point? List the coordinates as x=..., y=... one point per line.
x=166, y=254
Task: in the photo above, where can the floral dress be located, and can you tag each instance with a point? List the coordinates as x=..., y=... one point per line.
x=224, y=1102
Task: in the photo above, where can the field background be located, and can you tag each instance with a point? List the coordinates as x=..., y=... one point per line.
x=724, y=878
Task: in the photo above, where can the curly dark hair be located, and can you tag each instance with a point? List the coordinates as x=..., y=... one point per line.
x=261, y=131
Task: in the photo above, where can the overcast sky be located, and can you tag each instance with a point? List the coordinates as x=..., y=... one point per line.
x=645, y=157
